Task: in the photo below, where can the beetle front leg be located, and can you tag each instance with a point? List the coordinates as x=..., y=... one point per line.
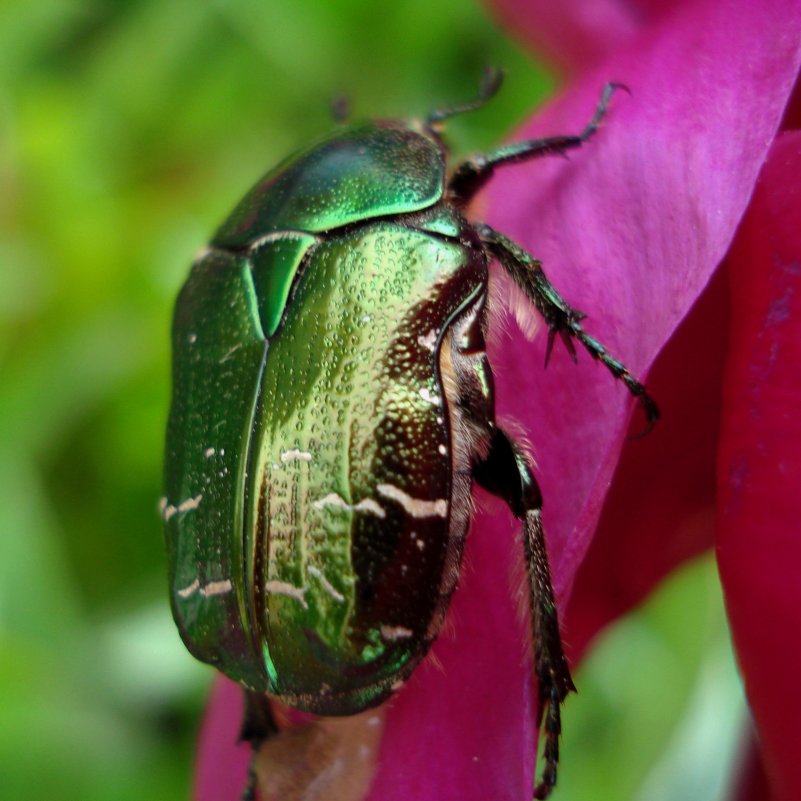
x=471, y=175
x=506, y=472
x=562, y=319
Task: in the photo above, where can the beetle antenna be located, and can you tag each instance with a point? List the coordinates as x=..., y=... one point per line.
x=340, y=109
x=491, y=81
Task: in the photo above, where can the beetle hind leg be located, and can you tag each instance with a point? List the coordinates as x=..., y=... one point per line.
x=561, y=318
x=258, y=725
x=506, y=472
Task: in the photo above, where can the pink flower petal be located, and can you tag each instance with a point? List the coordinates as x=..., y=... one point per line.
x=759, y=547
x=222, y=763
x=576, y=34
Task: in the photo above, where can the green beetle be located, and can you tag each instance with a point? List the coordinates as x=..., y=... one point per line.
x=332, y=405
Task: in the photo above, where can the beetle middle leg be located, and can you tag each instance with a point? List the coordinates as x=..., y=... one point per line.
x=506, y=472
x=562, y=319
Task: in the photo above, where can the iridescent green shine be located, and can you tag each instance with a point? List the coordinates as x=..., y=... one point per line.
x=308, y=453
x=350, y=398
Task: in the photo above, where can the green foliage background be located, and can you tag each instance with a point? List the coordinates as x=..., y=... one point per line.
x=127, y=131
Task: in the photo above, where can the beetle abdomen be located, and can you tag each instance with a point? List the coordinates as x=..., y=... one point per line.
x=350, y=466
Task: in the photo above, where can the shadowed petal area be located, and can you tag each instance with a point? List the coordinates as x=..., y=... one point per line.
x=660, y=509
x=759, y=547
x=752, y=784
x=574, y=34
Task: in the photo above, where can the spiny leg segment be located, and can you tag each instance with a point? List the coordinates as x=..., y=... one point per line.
x=506, y=472
x=560, y=317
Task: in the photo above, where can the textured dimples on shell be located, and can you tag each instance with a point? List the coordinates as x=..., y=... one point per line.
x=332, y=405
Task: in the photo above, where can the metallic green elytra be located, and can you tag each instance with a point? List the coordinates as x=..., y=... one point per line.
x=332, y=405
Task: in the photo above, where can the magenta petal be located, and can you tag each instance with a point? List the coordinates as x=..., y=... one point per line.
x=759, y=546
x=222, y=763
x=575, y=34
x=579, y=34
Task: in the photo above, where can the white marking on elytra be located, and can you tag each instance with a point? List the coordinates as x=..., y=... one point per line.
x=189, y=589
x=296, y=455
x=435, y=400
x=192, y=339
x=392, y=633
x=290, y=590
x=416, y=507
x=209, y=452
x=369, y=505
x=365, y=505
x=429, y=341
x=189, y=505
x=327, y=586
x=207, y=590
x=332, y=499
x=216, y=588
x=442, y=449
x=230, y=352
